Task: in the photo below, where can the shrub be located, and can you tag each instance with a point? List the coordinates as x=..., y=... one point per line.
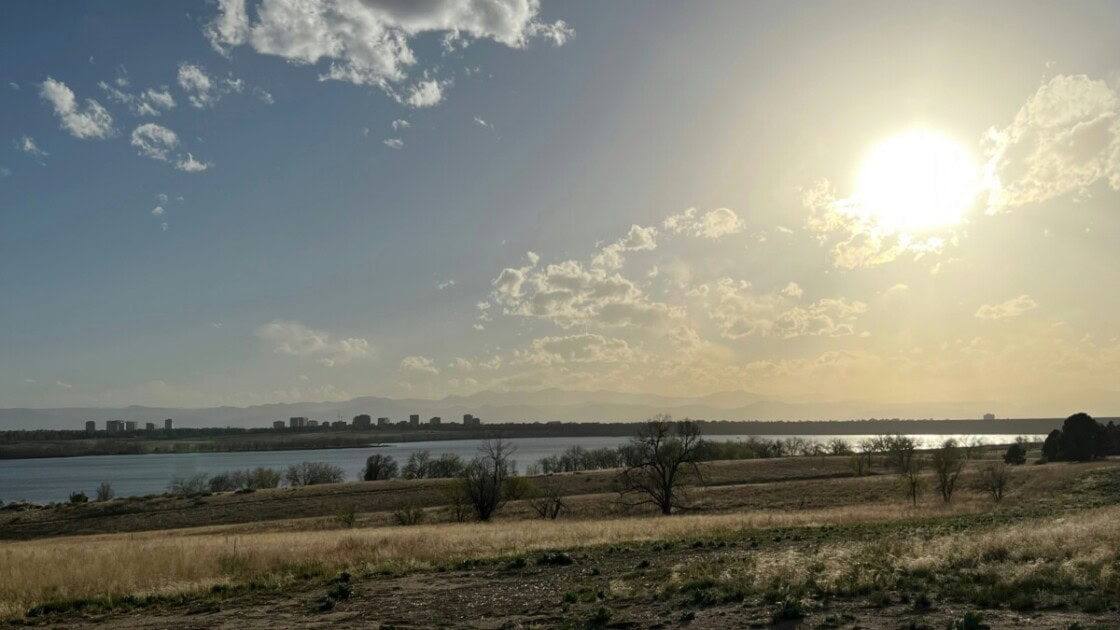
x=313, y=474
x=347, y=516
x=971, y=621
x=78, y=497
x=187, y=486
x=788, y=609
x=408, y=515
x=558, y=558
x=602, y=616
x=1015, y=455
x=223, y=482
x=458, y=502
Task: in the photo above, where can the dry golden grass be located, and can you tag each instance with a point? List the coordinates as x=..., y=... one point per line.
x=1044, y=558
x=176, y=561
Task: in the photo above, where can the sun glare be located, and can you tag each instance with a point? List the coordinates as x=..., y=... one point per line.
x=917, y=181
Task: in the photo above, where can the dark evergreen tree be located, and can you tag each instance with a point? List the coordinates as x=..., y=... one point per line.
x=1052, y=447
x=1083, y=438
x=1015, y=454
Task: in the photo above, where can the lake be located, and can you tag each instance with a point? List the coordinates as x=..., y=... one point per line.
x=52, y=479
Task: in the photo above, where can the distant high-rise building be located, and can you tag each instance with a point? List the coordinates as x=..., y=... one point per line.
x=149, y=426
x=362, y=421
x=989, y=416
x=435, y=421
x=338, y=424
x=313, y=423
x=382, y=422
x=114, y=426
x=168, y=424
x=471, y=421
x=91, y=426
x=414, y=420
x=278, y=424
x=297, y=422
x=130, y=425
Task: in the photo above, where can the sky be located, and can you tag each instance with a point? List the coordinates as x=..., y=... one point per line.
x=239, y=203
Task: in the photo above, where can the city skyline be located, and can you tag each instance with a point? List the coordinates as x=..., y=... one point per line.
x=203, y=205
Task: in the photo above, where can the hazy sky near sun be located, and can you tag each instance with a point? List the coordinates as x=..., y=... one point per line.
x=238, y=203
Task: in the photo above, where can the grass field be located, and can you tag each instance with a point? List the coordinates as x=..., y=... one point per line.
x=766, y=538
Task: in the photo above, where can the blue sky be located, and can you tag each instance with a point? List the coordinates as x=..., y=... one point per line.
x=308, y=248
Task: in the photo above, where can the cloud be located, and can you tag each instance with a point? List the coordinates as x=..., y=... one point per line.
x=393, y=143
x=445, y=285
x=203, y=90
x=264, y=95
x=740, y=313
x=63, y=385
x=1064, y=139
x=92, y=122
x=295, y=339
x=154, y=141
x=190, y=165
x=158, y=211
x=715, y=224
x=401, y=124
x=482, y=123
x=419, y=365
x=150, y=102
x=793, y=290
x=580, y=348
x=1004, y=310
x=5, y=171
x=27, y=145
x=637, y=239
x=368, y=43
x=570, y=294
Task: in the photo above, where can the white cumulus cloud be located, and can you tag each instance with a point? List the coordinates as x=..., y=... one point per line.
x=154, y=141
x=91, y=122
x=714, y=224
x=369, y=42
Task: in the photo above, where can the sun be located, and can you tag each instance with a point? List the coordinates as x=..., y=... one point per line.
x=917, y=181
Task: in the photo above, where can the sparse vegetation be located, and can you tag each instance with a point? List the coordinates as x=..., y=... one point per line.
x=105, y=491
x=313, y=473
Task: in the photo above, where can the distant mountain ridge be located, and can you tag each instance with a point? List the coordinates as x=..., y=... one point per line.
x=532, y=406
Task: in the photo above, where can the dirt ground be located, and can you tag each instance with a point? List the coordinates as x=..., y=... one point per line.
x=534, y=597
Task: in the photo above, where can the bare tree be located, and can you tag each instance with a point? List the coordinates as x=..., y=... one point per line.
x=948, y=462
x=484, y=478
x=994, y=479
x=105, y=491
x=664, y=455
x=912, y=482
